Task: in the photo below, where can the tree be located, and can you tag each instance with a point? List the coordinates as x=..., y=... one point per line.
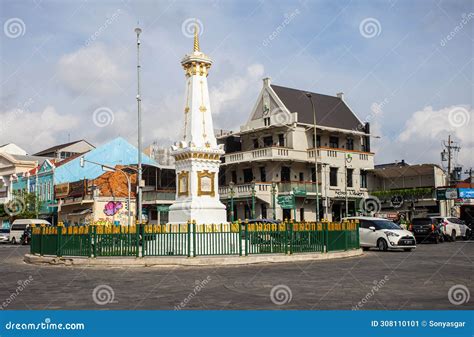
x=23, y=206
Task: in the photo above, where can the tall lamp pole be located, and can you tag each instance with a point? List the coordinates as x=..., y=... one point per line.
x=232, y=201
x=139, y=100
x=310, y=97
x=253, y=199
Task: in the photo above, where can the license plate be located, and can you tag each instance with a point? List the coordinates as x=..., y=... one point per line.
x=407, y=242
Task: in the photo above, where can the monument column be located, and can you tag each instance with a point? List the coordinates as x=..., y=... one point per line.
x=197, y=155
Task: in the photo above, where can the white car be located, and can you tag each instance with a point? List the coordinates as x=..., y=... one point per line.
x=383, y=234
x=18, y=228
x=452, y=228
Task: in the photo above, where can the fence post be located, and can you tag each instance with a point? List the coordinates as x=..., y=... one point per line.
x=138, y=227
x=247, y=241
x=326, y=236
x=32, y=244
x=89, y=240
x=194, y=238
x=239, y=223
x=291, y=235
x=345, y=235
x=41, y=239
x=94, y=237
x=189, y=238
x=357, y=233
x=59, y=239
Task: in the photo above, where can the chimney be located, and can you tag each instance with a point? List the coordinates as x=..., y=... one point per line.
x=340, y=95
x=266, y=82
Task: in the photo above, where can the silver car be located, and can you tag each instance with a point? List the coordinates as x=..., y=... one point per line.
x=4, y=235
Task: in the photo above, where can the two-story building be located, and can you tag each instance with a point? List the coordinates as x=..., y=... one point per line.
x=275, y=154
x=67, y=150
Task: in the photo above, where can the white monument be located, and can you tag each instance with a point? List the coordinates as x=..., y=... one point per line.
x=197, y=156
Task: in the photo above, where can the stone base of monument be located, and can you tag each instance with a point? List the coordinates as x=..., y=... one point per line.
x=173, y=261
x=210, y=211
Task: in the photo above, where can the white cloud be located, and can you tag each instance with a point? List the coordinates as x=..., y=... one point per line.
x=32, y=129
x=91, y=70
x=230, y=92
x=423, y=134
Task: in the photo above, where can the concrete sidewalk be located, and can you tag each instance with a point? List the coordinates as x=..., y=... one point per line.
x=186, y=261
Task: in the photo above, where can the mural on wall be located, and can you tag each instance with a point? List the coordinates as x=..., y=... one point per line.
x=112, y=208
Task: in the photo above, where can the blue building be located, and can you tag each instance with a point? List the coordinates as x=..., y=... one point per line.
x=42, y=179
x=115, y=152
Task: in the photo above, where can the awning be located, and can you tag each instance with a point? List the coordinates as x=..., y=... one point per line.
x=83, y=212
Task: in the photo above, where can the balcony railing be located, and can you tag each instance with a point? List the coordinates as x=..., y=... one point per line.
x=284, y=153
x=299, y=186
x=274, y=152
x=158, y=195
x=245, y=190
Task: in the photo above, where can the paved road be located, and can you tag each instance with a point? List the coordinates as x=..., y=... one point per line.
x=379, y=280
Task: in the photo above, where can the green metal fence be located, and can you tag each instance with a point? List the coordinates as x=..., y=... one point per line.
x=221, y=239
x=166, y=240
x=191, y=239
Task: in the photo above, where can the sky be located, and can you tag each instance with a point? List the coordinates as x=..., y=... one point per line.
x=68, y=68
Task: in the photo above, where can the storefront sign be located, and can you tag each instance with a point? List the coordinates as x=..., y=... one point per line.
x=466, y=193
x=286, y=201
x=77, y=189
x=163, y=208
x=299, y=192
x=61, y=190
x=350, y=193
x=446, y=193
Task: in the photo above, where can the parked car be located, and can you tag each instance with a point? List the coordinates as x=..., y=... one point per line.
x=452, y=228
x=26, y=237
x=383, y=234
x=18, y=228
x=426, y=229
x=4, y=235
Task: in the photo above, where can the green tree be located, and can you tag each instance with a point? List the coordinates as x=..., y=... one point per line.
x=23, y=206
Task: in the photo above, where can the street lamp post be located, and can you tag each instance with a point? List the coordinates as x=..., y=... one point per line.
x=253, y=199
x=231, y=185
x=139, y=100
x=310, y=97
x=347, y=159
x=273, y=200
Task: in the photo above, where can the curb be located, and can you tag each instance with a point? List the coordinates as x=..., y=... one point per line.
x=185, y=261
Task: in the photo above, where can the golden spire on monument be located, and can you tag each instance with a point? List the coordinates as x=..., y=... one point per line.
x=196, y=62
x=196, y=36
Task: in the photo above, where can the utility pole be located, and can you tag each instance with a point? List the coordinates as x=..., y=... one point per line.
x=308, y=94
x=447, y=155
x=139, y=182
